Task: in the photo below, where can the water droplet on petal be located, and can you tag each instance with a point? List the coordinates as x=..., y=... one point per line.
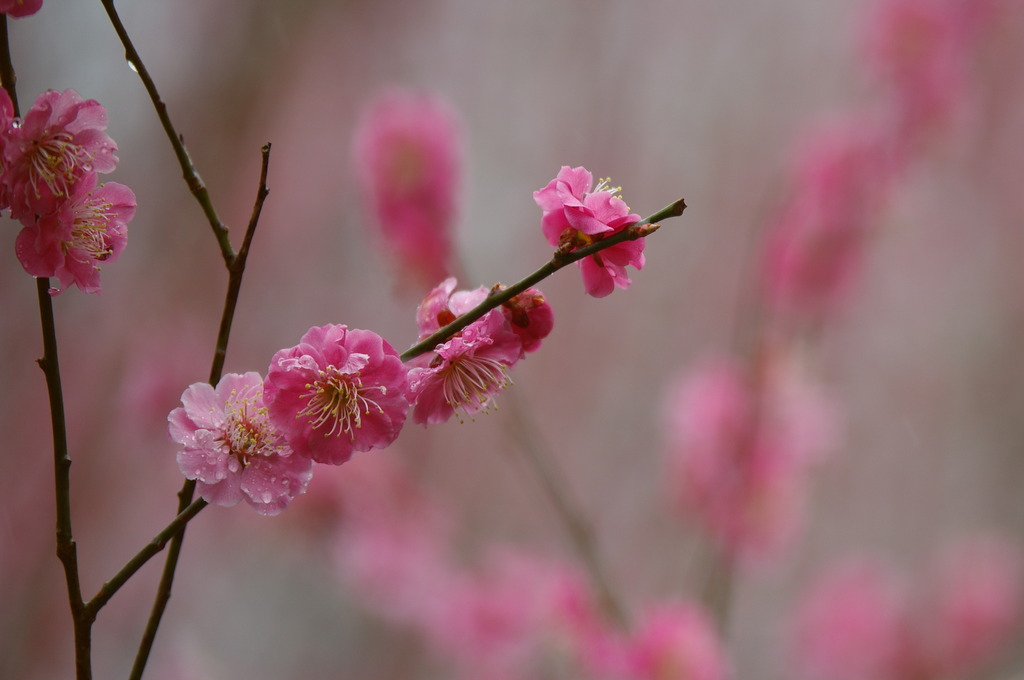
x=267, y=497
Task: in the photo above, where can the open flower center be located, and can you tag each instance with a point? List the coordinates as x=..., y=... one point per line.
x=54, y=161
x=89, y=232
x=338, y=402
x=469, y=382
x=247, y=430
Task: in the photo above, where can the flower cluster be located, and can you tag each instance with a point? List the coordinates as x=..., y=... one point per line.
x=51, y=159
x=340, y=391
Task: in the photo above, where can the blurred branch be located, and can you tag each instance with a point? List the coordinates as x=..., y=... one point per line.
x=555, y=484
x=188, y=170
x=499, y=296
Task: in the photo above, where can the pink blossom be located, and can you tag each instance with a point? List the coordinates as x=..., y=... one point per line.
x=576, y=214
x=444, y=304
x=739, y=446
x=59, y=142
x=816, y=247
x=530, y=317
x=87, y=229
x=921, y=49
x=675, y=642
x=338, y=391
x=979, y=603
x=851, y=626
x=231, y=448
x=408, y=156
x=20, y=8
x=466, y=371
x=860, y=622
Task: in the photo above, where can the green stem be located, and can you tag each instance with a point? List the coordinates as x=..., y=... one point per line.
x=499, y=296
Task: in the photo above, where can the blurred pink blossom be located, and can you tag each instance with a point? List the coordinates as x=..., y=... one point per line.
x=860, y=623
x=60, y=140
x=20, y=8
x=338, y=391
x=675, y=642
x=739, y=444
x=231, y=448
x=407, y=151
x=88, y=228
x=921, y=50
x=576, y=214
x=815, y=248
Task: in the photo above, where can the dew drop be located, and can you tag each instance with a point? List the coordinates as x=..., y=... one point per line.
x=267, y=497
x=132, y=65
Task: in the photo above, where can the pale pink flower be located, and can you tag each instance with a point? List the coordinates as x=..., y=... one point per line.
x=816, y=246
x=338, y=391
x=675, y=642
x=59, y=141
x=88, y=229
x=576, y=214
x=407, y=150
x=20, y=8
x=232, y=450
x=444, y=304
x=739, y=445
x=466, y=371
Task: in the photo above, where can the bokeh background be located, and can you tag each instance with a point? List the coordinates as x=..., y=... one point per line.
x=671, y=98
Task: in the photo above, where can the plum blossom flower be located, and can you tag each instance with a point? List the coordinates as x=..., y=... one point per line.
x=407, y=150
x=338, y=391
x=232, y=450
x=860, y=621
x=843, y=173
x=59, y=141
x=20, y=8
x=740, y=444
x=471, y=367
x=87, y=229
x=675, y=642
x=576, y=214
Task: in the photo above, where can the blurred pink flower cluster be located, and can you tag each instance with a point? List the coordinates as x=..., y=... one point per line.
x=741, y=441
x=860, y=623
x=508, y=618
x=51, y=158
x=20, y=8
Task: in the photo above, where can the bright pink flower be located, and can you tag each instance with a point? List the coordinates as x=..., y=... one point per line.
x=407, y=150
x=576, y=214
x=338, y=391
x=88, y=229
x=231, y=448
x=530, y=317
x=675, y=642
x=740, y=444
x=59, y=142
x=20, y=8
x=815, y=249
x=466, y=371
